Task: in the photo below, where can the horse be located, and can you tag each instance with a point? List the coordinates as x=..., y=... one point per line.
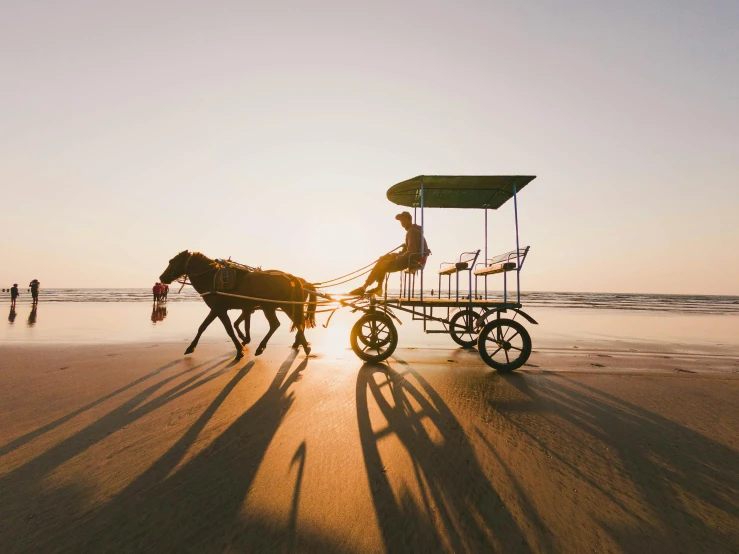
x=278, y=290
x=245, y=317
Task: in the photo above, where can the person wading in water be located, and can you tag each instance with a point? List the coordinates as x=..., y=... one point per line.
x=411, y=253
x=14, y=295
x=34, y=290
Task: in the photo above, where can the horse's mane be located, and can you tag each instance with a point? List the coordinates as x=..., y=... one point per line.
x=201, y=256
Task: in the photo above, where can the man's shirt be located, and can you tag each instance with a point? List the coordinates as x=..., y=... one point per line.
x=413, y=241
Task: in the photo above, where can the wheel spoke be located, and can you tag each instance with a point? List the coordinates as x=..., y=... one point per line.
x=507, y=359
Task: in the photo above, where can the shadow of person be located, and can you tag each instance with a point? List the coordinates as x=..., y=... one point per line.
x=12, y=314
x=196, y=506
x=459, y=510
x=32, y=316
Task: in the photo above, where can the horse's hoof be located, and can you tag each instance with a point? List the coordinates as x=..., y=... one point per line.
x=189, y=350
x=244, y=343
x=295, y=346
x=239, y=354
x=307, y=349
x=259, y=351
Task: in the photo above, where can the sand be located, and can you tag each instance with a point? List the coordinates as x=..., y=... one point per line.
x=598, y=446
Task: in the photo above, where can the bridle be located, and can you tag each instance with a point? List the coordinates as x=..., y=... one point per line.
x=184, y=279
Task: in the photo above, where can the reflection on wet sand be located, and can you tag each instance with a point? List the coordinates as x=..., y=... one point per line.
x=12, y=314
x=32, y=316
x=158, y=312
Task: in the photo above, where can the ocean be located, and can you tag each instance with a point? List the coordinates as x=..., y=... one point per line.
x=676, y=303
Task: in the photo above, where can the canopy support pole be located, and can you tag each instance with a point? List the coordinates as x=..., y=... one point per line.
x=486, y=252
x=422, y=229
x=518, y=250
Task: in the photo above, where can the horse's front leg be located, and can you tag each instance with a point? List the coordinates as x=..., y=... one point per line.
x=203, y=326
x=274, y=323
x=223, y=316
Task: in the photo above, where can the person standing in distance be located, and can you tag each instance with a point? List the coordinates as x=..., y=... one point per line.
x=34, y=290
x=14, y=292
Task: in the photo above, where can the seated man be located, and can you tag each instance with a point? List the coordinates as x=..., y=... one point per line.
x=411, y=253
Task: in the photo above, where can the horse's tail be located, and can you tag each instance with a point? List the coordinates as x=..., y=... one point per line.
x=310, y=312
x=298, y=307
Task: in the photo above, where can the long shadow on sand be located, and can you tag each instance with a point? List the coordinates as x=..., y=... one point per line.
x=28, y=437
x=459, y=508
x=27, y=483
x=196, y=506
x=687, y=482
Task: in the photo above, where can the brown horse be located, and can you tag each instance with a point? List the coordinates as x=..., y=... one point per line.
x=310, y=299
x=279, y=291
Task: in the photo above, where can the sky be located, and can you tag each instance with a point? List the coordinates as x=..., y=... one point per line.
x=271, y=131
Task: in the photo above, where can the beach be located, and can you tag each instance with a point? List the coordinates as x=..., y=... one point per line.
x=619, y=435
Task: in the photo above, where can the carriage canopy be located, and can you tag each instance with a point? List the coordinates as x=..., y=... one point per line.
x=458, y=191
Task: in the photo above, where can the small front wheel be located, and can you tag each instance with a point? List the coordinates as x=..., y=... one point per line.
x=504, y=344
x=374, y=337
x=463, y=327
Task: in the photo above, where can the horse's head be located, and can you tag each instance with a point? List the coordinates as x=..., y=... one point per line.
x=176, y=268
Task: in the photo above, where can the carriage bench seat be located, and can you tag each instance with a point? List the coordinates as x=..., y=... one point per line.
x=496, y=268
x=413, y=268
x=452, y=269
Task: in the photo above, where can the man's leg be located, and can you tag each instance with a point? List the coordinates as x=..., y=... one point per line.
x=377, y=273
x=398, y=263
x=386, y=264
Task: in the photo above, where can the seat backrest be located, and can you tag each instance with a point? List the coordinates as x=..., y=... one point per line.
x=510, y=256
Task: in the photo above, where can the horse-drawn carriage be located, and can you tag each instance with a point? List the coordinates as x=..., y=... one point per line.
x=469, y=315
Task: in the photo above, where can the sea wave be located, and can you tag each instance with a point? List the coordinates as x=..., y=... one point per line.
x=700, y=304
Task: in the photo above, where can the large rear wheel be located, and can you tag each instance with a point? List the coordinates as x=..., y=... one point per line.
x=463, y=327
x=374, y=337
x=504, y=344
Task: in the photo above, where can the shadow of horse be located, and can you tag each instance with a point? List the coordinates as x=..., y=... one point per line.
x=27, y=482
x=196, y=506
x=20, y=441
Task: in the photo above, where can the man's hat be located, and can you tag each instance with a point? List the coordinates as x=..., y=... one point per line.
x=404, y=215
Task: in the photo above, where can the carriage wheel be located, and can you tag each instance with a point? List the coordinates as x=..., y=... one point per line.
x=374, y=337
x=463, y=328
x=504, y=344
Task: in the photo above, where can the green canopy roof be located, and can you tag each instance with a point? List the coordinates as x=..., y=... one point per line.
x=457, y=191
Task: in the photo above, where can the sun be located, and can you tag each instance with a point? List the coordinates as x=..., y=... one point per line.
x=334, y=340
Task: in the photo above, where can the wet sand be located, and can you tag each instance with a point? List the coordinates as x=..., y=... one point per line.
x=596, y=445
